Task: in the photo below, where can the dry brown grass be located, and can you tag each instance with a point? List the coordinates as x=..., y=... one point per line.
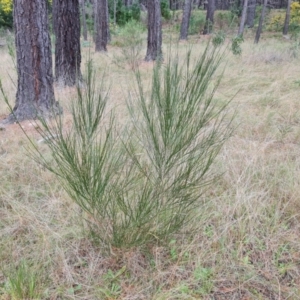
x=245, y=241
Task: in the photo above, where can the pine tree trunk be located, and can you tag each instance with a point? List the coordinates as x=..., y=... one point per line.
x=251, y=13
x=67, y=45
x=35, y=94
x=101, y=21
x=115, y=12
x=83, y=15
x=225, y=4
x=185, y=20
x=107, y=28
x=287, y=18
x=261, y=21
x=154, y=43
x=95, y=3
x=222, y=4
x=196, y=4
x=243, y=19
x=211, y=6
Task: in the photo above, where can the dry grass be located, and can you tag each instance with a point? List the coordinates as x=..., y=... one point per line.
x=245, y=242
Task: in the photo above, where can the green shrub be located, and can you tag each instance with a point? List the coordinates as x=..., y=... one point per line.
x=165, y=9
x=225, y=20
x=143, y=184
x=236, y=45
x=218, y=38
x=130, y=39
x=197, y=22
x=236, y=8
x=6, y=17
x=124, y=14
x=294, y=27
x=22, y=282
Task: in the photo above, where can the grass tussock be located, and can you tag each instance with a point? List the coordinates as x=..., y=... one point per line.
x=243, y=241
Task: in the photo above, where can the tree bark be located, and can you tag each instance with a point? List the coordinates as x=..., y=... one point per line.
x=107, y=28
x=222, y=4
x=287, y=18
x=243, y=18
x=211, y=6
x=196, y=4
x=154, y=43
x=95, y=3
x=53, y=17
x=185, y=20
x=83, y=15
x=251, y=13
x=102, y=25
x=261, y=21
x=67, y=44
x=35, y=94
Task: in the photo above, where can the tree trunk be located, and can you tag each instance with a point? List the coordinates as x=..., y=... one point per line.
x=154, y=51
x=101, y=21
x=95, y=3
x=196, y=4
x=107, y=28
x=35, y=95
x=243, y=19
x=287, y=18
x=115, y=12
x=184, y=30
x=261, y=21
x=211, y=6
x=225, y=4
x=251, y=13
x=67, y=44
x=53, y=16
x=127, y=3
x=83, y=14
x=222, y=4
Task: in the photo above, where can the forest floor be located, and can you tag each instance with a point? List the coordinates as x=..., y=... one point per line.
x=247, y=240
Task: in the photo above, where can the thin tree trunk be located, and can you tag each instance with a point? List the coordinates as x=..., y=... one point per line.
x=101, y=18
x=196, y=4
x=184, y=30
x=211, y=6
x=154, y=42
x=107, y=28
x=225, y=5
x=35, y=94
x=251, y=13
x=53, y=16
x=67, y=44
x=261, y=21
x=287, y=18
x=243, y=19
x=95, y=3
x=84, y=27
x=115, y=12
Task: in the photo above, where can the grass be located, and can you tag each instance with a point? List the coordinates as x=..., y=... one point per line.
x=244, y=242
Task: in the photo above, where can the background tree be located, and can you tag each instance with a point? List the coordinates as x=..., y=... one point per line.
x=101, y=24
x=83, y=16
x=251, y=13
x=287, y=18
x=35, y=95
x=67, y=44
x=186, y=20
x=243, y=18
x=211, y=6
x=154, y=31
x=197, y=4
x=261, y=21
